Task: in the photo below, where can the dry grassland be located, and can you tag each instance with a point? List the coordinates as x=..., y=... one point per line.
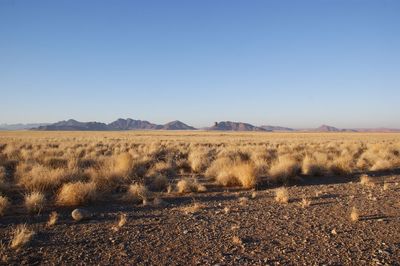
x=45, y=172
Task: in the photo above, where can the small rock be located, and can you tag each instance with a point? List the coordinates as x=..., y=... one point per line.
x=81, y=214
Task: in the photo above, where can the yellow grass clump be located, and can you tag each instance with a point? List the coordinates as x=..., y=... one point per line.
x=189, y=185
x=53, y=217
x=282, y=195
x=305, y=203
x=285, y=168
x=194, y=208
x=354, y=215
x=365, y=180
x=34, y=201
x=72, y=194
x=21, y=236
x=199, y=159
x=137, y=192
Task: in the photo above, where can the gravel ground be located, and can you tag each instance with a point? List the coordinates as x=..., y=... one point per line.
x=227, y=228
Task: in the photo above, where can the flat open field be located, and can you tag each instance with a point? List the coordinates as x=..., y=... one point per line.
x=199, y=198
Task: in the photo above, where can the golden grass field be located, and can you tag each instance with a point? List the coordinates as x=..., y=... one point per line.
x=43, y=171
x=74, y=168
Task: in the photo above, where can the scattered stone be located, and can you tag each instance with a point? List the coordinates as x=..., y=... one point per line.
x=81, y=214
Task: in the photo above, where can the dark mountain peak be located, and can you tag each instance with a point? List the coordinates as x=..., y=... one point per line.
x=234, y=126
x=131, y=124
x=177, y=125
x=72, y=124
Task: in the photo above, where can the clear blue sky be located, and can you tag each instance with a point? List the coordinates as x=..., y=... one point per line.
x=291, y=63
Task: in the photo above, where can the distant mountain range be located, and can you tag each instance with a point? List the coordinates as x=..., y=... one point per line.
x=234, y=126
x=117, y=125
x=132, y=124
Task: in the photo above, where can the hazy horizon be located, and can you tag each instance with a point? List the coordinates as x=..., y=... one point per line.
x=282, y=63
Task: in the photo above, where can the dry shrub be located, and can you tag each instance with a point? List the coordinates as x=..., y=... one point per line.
x=52, y=219
x=386, y=186
x=284, y=169
x=282, y=195
x=137, y=192
x=34, y=201
x=314, y=165
x=354, y=215
x=199, y=159
x=243, y=201
x=305, y=203
x=40, y=178
x=162, y=168
x=122, y=218
x=123, y=164
x=194, y=208
x=4, y=204
x=72, y=194
x=189, y=185
x=343, y=164
x=365, y=180
x=243, y=174
x=382, y=164
x=21, y=236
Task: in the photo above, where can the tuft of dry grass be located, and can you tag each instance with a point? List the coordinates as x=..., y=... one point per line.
x=365, y=180
x=194, y=208
x=243, y=174
x=123, y=164
x=34, y=201
x=354, y=215
x=227, y=210
x=282, y=195
x=199, y=159
x=243, y=201
x=53, y=217
x=386, y=186
x=4, y=204
x=73, y=194
x=305, y=203
x=21, y=236
x=189, y=185
x=40, y=178
x=122, y=219
x=137, y=192
x=314, y=165
x=285, y=168
x=236, y=240
x=254, y=195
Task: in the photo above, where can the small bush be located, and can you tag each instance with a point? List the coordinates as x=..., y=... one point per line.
x=72, y=194
x=137, y=192
x=34, y=201
x=282, y=195
x=21, y=236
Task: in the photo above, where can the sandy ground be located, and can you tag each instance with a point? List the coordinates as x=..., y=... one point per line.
x=230, y=228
